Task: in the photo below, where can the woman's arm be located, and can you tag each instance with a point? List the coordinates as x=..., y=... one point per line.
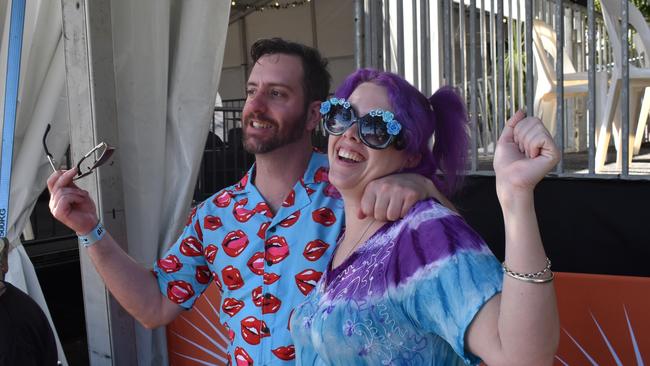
x=520, y=326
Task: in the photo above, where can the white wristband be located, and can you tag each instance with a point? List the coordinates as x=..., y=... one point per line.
x=95, y=235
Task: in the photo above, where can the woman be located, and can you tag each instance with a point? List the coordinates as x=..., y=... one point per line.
x=426, y=290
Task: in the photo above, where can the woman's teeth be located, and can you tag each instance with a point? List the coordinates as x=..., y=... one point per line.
x=350, y=155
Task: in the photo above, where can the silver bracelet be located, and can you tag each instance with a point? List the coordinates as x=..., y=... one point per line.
x=535, y=277
x=95, y=235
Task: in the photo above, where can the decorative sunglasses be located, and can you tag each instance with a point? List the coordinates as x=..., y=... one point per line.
x=98, y=156
x=378, y=129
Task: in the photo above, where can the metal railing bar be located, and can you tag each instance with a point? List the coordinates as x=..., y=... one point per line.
x=500, y=68
x=400, y=38
x=559, y=72
x=463, y=47
x=473, y=83
x=625, y=92
x=591, y=75
x=446, y=31
x=415, y=45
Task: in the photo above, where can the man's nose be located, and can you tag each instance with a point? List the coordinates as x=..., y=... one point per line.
x=257, y=103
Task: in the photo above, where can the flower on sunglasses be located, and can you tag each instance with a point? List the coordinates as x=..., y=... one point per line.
x=388, y=116
x=393, y=127
x=325, y=107
x=335, y=101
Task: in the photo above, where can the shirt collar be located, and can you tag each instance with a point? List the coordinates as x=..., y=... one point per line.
x=316, y=172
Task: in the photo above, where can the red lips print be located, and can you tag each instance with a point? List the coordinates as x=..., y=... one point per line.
x=242, y=214
x=315, y=249
x=242, y=183
x=212, y=222
x=202, y=274
x=232, y=306
x=190, y=217
x=232, y=278
x=217, y=281
x=253, y=329
x=256, y=294
x=210, y=253
x=242, y=358
x=286, y=353
x=263, y=208
x=330, y=191
x=290, y=220
x=179, y=291
x=321, y=175
x=307, y=279
x=191, y=247
x=170, y=264
x=234, y=243
x=197, y=229
x=262, y=231
x=276, y=249
x=222, y=199
x=256, y=263
x=268, y=302
x=270, y=278
x=290, y=200
x=324, y=216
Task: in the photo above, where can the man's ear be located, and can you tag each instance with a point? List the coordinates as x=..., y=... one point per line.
x=313, y=115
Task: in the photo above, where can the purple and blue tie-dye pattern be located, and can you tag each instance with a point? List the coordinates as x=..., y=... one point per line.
x=405, y=297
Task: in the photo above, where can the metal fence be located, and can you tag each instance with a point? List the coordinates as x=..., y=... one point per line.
x=497, y=54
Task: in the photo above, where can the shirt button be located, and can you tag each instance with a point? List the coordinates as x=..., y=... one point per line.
x=267, y=295
x=269, y=263
x=272, y=229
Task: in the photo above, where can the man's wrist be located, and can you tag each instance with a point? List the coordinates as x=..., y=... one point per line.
x=93, y=236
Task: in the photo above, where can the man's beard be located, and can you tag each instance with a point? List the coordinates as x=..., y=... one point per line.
x=293, y=131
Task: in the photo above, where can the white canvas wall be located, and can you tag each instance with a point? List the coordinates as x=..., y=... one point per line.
x=331, y=31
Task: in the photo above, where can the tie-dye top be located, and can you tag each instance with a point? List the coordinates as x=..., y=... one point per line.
x=404, y=297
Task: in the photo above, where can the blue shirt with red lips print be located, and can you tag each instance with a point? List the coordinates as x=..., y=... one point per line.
x=264, y=264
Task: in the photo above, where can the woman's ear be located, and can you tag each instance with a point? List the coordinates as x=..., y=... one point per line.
x=413, y=160
x=313, y=115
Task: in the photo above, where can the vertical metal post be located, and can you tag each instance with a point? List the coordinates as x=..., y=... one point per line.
x=591, y=75
x=625, y=92
x=425, y=51
x=415, y=45
x=500, y=70
x=244, y=48
x=520, y=61
x=388, y=57
x=462, y=42
x=530, y=93
x=446, y=34
x=88, y=48
x=511, y=63
x=473, y=84
x=400, y=38
x=358, y=34
x=12, y=82
x=559, y=72
x=314, y=24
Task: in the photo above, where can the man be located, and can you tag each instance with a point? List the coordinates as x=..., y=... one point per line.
x=25, y=334
x=266, y=240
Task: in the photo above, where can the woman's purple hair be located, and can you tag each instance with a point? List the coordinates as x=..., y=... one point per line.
x=442, y=116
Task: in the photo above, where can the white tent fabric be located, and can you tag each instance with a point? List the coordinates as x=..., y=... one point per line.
x=41, y=101
x=168, y=57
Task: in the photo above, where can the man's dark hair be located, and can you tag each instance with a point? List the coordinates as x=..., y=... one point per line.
x=316, y=78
